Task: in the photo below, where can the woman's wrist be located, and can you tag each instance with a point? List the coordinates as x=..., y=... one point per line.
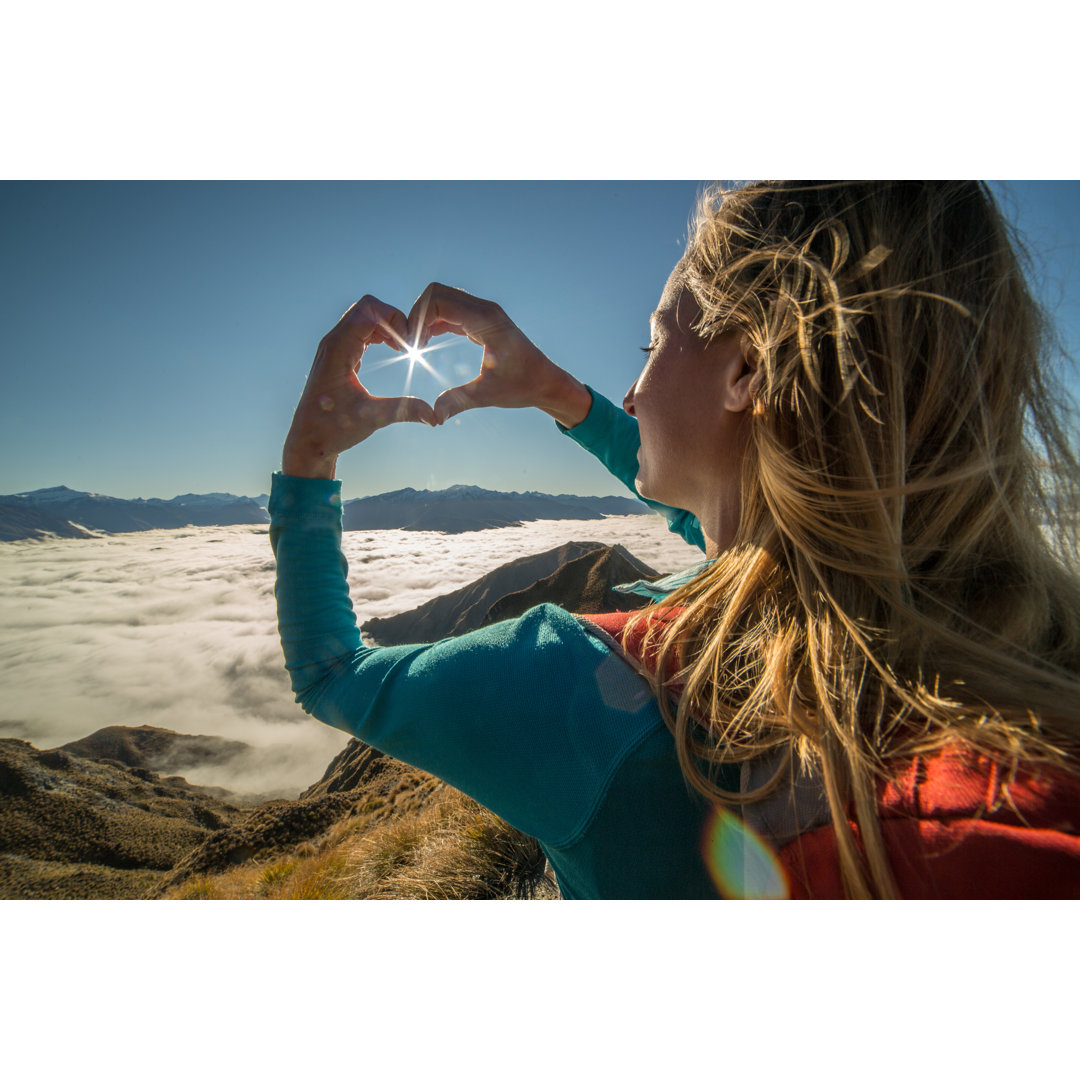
x=305, y=459
x=566, y=399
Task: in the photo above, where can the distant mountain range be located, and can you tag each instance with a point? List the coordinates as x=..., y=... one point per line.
x=59, y=511
x=464, y=508
x=63, y=512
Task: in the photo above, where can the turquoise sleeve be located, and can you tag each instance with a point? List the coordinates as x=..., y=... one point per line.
x=611, y=435
x=531, y=716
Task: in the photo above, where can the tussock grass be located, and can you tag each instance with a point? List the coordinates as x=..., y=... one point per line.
x=200, y=888
x=451, y=848
x=273, y=876
x=320, y=878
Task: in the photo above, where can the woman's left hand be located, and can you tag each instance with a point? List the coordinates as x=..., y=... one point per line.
x=335, y=411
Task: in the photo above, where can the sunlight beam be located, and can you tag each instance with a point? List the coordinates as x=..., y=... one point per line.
x=414, y=357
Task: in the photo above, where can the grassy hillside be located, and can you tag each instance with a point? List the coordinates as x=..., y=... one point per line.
x=451, y=848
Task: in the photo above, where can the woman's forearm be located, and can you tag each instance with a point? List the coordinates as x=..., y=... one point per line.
x=315, y=616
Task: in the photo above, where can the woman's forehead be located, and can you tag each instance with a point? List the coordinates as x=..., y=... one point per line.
x=677, y=307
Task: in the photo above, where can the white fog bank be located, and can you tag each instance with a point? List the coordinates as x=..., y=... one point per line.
x=176, y=629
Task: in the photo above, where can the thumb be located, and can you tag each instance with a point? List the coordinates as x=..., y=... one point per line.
x=397, y=410
x=457, y=400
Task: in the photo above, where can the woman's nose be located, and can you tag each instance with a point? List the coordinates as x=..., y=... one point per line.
x=628, y=401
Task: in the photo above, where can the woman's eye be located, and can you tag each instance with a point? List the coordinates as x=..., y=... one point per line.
x=646, y=349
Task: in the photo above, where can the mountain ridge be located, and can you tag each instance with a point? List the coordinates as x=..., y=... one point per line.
x=578, y=576
x=467, y=508
x=60, y=511
x=55, y=510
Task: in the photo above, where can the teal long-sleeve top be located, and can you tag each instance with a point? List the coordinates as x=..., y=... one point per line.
x=537, y=718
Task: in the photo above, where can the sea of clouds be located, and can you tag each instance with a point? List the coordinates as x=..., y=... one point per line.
x=177, y=629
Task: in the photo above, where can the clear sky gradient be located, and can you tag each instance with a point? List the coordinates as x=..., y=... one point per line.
x=154, y=337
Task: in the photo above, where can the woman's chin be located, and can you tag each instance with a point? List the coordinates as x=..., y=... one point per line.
x=654, y=492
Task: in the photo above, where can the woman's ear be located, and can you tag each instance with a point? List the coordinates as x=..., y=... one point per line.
x=744, y=377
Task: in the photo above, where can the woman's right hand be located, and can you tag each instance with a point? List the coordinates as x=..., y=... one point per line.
x=514, y=373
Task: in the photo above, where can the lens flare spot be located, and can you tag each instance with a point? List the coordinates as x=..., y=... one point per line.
x=618, y=689
x=741, y=864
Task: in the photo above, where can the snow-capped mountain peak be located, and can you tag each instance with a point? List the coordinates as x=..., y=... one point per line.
x=55, y=495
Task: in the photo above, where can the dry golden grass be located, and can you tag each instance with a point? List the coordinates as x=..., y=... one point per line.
x=200, y=888
x=449, y=849
x=453, y=850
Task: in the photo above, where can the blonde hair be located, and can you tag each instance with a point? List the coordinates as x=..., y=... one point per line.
x=904, y=573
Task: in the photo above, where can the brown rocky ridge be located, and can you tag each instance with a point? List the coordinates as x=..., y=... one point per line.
x=578, y=576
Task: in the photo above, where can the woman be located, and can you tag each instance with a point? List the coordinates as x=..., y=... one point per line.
x=845, y=405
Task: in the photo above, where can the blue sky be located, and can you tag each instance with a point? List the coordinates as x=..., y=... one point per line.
x=154, y=337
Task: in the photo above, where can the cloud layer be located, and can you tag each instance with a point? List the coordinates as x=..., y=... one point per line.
x=177, y=629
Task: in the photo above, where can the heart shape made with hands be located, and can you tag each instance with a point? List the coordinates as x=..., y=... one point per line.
x=336, y=411
x=512, y=369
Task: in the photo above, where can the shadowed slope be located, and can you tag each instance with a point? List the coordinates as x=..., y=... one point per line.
x=584, y=585
x=20, y=522
x=72, y=828
x=570, y=576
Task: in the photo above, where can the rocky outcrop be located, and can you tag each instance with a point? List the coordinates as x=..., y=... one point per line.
x=584, y=585
x=577, y=576
x=155, y=748
x=360, y=767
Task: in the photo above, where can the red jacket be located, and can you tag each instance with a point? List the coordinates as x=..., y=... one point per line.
x=951, y=826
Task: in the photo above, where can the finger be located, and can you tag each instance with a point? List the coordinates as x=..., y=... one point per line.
x=384, y=323
x=439, y=327
x=369, y=319
x=393, y=332
x=382, y=411
x=457, y=400
x=417, y=314
x=455, y=311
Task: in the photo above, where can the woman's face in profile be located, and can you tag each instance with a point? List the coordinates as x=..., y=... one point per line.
x=691, y=403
